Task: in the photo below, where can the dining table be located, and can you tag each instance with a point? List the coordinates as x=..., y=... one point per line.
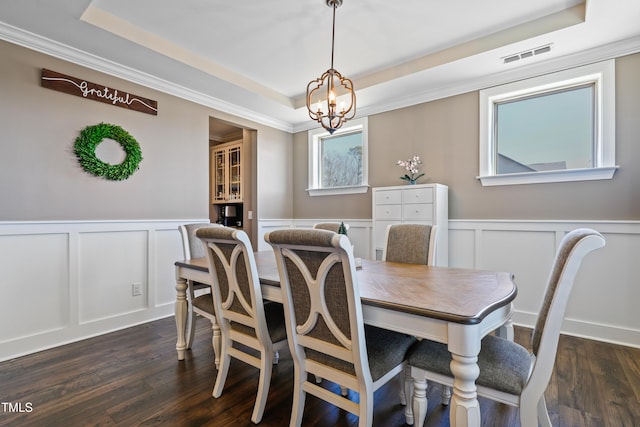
x=455, y=306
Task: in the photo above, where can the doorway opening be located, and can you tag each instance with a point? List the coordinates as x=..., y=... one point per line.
x=231, y=175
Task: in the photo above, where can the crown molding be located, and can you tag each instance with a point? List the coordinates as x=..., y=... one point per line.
x=58, y=50
x=600, y=53
x=67, y=53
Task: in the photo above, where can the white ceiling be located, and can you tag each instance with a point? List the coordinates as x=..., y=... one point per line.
x=254, y=58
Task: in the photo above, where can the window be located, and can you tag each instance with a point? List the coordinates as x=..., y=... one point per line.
x=552, y=128
x=338, y=163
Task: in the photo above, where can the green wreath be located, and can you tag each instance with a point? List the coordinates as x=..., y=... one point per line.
x=85, y=150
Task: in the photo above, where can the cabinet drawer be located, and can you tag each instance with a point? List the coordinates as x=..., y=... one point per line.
x=386, y=212
x=388, y=197
x=422, y=212
x=417, y=195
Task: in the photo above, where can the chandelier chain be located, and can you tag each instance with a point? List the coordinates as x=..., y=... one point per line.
x=333, y=32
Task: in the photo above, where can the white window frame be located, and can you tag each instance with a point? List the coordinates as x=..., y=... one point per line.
x=314, y=137
x=601, y=74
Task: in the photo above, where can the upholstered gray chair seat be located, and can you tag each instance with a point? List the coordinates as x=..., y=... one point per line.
x=385, y=349
x=274, y=315
x=204, y=303
x=504, y=365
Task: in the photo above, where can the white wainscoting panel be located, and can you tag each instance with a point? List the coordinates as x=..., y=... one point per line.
x=110, y=263
x=526, y=254
x=604, y=301
x=163, y=272
x=464, y=242
x=266, y=225
x=64, y=281
x=35, y=280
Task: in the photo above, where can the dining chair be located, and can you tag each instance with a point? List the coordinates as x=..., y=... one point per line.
x=331, y=226
x=198, y=295
x=327, y=336
x=509, y=373
x=252, y=331
x=410, y=243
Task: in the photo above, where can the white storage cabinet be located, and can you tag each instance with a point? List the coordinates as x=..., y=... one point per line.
x=417, y=204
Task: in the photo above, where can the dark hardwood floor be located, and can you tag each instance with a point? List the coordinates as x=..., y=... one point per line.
x=132, y=377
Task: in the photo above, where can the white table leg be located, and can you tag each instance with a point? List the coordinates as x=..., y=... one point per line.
x=181, y=315
x=217, y=343
x=464, y=345
x=465, y=409
x=416, y=411
x=506, y=331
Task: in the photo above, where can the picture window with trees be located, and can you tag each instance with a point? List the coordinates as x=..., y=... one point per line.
x=338, y=162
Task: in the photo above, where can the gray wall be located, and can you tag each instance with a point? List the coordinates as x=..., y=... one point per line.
x=445, y=134
x=40, y=178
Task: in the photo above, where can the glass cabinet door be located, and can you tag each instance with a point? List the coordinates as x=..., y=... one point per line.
x=220, y=162
x=227, y=173
x=235, y=188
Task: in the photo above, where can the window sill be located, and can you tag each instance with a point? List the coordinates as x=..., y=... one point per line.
x=589, y=174
x=357, y=189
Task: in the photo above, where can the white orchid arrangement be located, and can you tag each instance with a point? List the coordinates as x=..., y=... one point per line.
x=413, y=167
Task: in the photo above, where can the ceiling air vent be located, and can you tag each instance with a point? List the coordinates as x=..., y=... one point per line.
x=543, y=49
x=526, y=54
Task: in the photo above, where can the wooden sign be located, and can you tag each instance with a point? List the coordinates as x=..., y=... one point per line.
x=85, y=89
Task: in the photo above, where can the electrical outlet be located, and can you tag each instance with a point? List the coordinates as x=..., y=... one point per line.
x=136, y=289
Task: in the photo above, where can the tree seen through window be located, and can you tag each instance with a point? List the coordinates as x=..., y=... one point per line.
x=342, y=163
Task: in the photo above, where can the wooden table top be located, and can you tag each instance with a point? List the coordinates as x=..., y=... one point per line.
x=452, y=294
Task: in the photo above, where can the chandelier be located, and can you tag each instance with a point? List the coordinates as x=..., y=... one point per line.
x=331, y=100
